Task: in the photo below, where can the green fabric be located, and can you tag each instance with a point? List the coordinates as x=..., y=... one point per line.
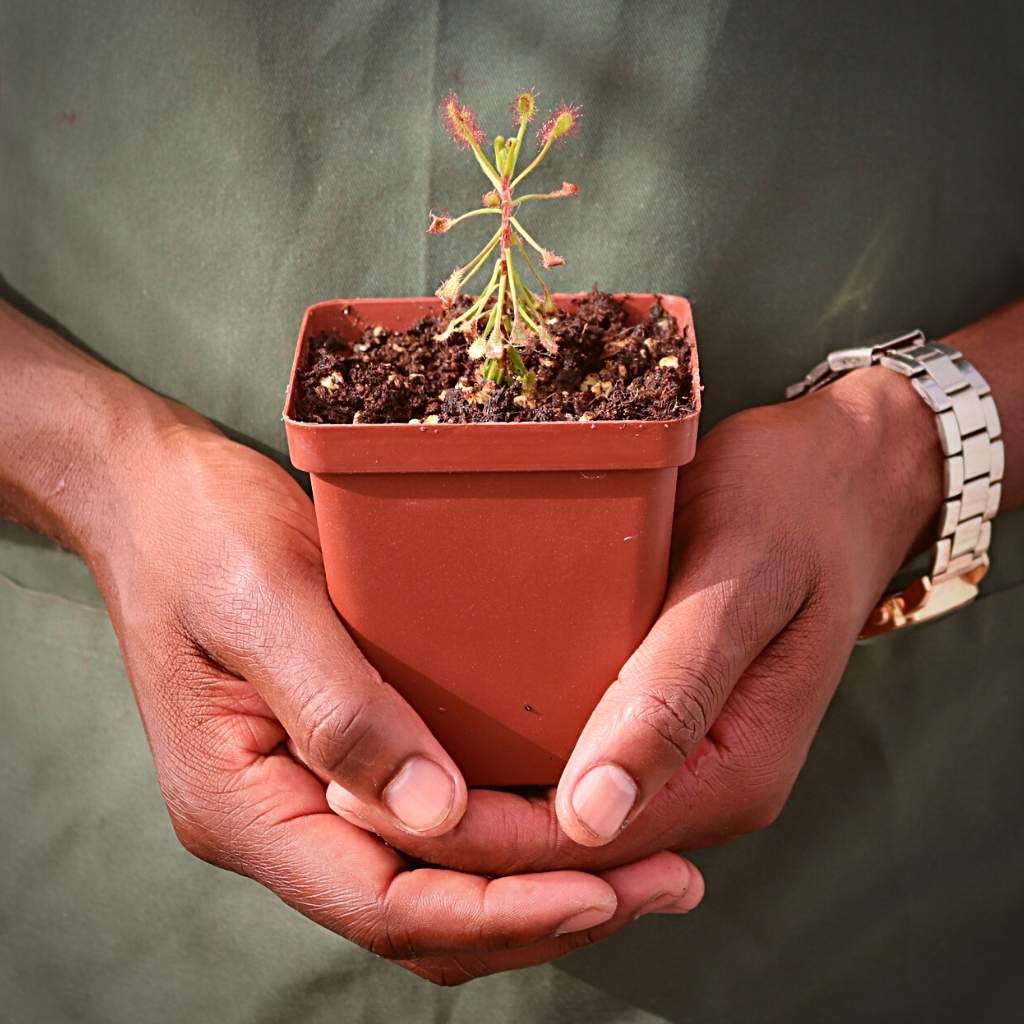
x=178, y=181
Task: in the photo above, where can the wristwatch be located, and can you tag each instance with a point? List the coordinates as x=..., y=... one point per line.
x=969, y=432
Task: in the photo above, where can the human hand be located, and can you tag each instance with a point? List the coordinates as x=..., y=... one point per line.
x=214, y=580
x=792, y=520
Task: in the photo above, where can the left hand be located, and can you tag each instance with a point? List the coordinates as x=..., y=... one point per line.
x=792, y=520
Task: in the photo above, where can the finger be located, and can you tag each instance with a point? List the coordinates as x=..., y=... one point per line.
x=721, y=612
x=735, y=782
x=284, y=636
x=500, y=834
x=677, y=887
x=351, y=883
x=239, y=800
x=664, y=883
x=505, y=833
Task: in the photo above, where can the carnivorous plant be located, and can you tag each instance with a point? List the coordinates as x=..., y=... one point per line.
x=507, y=315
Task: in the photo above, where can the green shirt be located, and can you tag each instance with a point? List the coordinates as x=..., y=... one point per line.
x=178, y=181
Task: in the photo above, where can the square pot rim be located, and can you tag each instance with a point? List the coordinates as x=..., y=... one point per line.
x=329, y=448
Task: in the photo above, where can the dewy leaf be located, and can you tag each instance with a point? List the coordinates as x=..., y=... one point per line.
x=561, y=123
x=448, y=292
x=524, y=107
x=461, y=123
x=546, y=338
x=439, y=223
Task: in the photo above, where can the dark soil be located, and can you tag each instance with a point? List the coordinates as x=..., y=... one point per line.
x=605, y=369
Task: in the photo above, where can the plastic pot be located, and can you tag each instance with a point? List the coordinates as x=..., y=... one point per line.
x=497, y=575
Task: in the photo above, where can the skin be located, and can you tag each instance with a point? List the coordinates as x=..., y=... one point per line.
x=254, y=699
x=207, y=556
x=791, y=521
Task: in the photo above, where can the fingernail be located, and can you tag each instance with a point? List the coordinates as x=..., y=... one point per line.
x=336, y=798
x=340, y=801
x=680, y=906
x=585, y=919
x=420, y=795
x=665, y=903
x=603, y=798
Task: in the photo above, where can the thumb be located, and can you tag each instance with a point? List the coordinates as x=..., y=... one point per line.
x=666, y=698
x=347, y=724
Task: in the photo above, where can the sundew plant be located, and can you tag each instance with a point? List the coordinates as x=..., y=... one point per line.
x=507, y=316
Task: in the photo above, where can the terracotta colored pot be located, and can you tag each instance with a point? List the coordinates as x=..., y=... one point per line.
x=498, y=575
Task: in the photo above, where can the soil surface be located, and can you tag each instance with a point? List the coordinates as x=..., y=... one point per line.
x=605, y=369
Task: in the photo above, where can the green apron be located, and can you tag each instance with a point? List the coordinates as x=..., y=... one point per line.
x=178, y=181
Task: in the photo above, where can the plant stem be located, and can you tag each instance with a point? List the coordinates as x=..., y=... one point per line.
x=476, y=309
x=529, y=321
x=491, y=318
x=535, y=162
x=493, y=370
x=485, y=165
x=548, y=300
x=518, y=366
x=472, y=213
x=526, y=297
x=511, y=169
x=538, y=195
x=510, y=273
x=480, y=258
x=527, y=236
x=499, y=306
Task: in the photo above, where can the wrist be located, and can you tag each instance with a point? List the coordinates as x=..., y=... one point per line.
x=139, y=435
x=85, y=440
x=892, y=440
x=71, y=431
x=993, y=346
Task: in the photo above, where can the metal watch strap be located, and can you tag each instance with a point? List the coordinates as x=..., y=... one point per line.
x=969, y=433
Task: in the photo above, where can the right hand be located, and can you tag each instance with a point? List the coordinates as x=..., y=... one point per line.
x=212, y=573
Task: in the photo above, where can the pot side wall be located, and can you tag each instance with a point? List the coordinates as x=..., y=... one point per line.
x=497, y=575
x=501, y=605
